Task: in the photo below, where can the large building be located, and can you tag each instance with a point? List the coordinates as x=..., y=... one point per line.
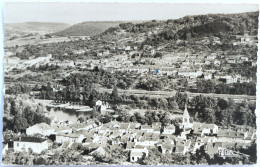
x=37, y=145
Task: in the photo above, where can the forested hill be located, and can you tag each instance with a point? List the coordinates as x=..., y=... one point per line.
x=88, y=28
x=191, y=27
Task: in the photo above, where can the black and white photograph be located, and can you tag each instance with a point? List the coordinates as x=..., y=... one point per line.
x=113, y=83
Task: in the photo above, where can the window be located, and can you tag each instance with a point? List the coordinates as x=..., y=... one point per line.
x=185, y=120
x=17, y=144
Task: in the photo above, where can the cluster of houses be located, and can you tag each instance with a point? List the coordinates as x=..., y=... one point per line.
x=182, y=65
x=11, y=62
x=186, y=137
x=129, y=58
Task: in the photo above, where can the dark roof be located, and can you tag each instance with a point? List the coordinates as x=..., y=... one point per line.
x=31, y=139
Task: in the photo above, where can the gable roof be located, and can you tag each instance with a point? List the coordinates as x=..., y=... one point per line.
x=146, y=127
x=31, y=139
x=42, y=126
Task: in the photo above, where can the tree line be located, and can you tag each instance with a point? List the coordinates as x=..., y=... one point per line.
x=21, y=111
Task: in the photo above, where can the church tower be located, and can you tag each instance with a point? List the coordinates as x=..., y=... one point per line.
x=186, y=119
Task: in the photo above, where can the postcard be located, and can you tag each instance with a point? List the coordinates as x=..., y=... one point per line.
x=129, y=83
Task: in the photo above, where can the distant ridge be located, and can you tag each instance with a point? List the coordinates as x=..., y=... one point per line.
x=33, y=27
x=88, y=28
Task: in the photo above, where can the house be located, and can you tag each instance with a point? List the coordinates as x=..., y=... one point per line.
x=41, y=128
x=147, y=128
x=245, y=39
x=167, y=148
x=61, y=128
x=243, y=58
x=130, y=145
x=189, y=73
x=202, y=129
x=207, y=76
x=201, y=141
x=157, y=127
x=123, y=127
x=219, y=61
x=216, y=40
x=102, y=106
x=99, y=151
x=135, y=126
x=231, y=61
x=166, y=145
x=226, y=78
x=99, y=103
x=170, y=129
x=253, y=63
x=138, y=153
x=244, y=79
x=145, y=141
x=36, y=144
x=180, y=147
x=88, y=125
x=212, y=148
x=12, y=61
x=88, y=140
x=70, y=137
x=212, y=56
x=230, y=80
x=168, y=70
x=4, y=148
x=102, y=131
x=230, y=135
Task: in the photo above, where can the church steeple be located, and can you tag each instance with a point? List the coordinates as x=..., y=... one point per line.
x=186, y=113
x=186, y=118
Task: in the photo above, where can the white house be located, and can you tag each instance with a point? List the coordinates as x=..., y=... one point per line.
x=204, y=129
x=137, y=153
x=170, y=129
x=147, y=128
x=70, y=137
x=36, y=144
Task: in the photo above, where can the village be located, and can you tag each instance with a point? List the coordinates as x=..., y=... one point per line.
x=204, y=66
x=179, y=92
x=187, y=137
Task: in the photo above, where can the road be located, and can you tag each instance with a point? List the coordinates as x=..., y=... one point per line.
x=172, y=93
x=138, y=92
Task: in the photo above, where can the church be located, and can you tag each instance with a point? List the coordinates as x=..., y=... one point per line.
x=186, y=124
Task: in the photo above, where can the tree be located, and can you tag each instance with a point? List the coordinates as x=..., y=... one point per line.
x=181, y=99
x=209, y=115
x=20, y=123
x=223, y=104
x=81, y=119
x=172, y=105
x=114, y=94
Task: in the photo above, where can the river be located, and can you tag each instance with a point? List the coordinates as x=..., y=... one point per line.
x=64, y=115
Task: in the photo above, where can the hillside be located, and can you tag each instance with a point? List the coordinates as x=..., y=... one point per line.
x=19, y=29
x=189, y=27
x=88, y=28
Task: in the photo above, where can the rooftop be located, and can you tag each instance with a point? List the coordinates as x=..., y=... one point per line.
x=31, y=139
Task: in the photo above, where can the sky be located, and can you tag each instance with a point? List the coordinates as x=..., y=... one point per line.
x=72, y=13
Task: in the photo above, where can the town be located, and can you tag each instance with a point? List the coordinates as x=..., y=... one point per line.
x=150, y=93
